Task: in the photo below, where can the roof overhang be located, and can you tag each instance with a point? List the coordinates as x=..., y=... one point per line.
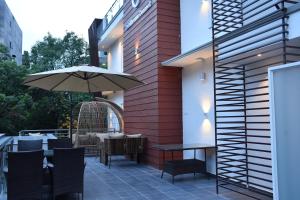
x=193, y=56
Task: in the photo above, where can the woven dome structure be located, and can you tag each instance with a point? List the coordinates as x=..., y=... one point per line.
x=99, y=116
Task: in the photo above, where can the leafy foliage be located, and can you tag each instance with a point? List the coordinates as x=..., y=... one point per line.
x=3, y=49
x=75, y=51
x=26, y=59
x=26, y=108
x=14, y=101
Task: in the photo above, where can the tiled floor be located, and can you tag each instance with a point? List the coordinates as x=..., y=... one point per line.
x=128, y=181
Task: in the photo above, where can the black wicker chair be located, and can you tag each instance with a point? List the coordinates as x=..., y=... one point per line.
x=67, y=171
x=59, y=143
x=134, y=147
x=25, y=175
x=113, y=147
x=30, y=145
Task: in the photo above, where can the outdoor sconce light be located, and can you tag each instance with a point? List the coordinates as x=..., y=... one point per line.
x=136, y=51
x=205, y=115
x=204, y=7
x=202, y=76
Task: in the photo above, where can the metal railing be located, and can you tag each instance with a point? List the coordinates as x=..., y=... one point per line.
x=59, y=133
x=248, y=37
x=111, y=14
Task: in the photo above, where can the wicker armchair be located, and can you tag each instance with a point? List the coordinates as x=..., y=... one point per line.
x=90, y=142
x=113, y=147
x=59, y=143
x=127, y=145
x=25, y=175
x=68, y=171
x=30, y=145
x=134, y=146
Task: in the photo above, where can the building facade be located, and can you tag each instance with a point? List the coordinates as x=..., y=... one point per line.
x=10, y=32
x=204, y=64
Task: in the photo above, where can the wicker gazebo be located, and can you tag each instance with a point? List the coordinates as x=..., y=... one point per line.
x=96, y=117
x=100, y=115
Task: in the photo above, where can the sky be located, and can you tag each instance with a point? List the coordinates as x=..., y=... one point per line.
x=38, y=17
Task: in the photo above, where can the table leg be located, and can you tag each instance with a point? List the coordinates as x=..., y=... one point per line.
x=194, y=159
x=205, y=158
x=162, y=171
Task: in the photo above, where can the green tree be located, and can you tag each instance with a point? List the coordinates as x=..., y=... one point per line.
x=3, y=49
x=4, y=55
x=46, y=55
x=15, y=103
x=54, y=53
x=52, y=109
x=75, y=50
x=26, y=59
x=26, y=108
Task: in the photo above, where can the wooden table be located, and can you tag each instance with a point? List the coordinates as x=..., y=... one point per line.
x=176, y=167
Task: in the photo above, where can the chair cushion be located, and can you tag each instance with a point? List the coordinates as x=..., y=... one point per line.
x=91, y=133
x=134, y=135
x=83, y=139
x=116, y=135
x=34, y=134
x=93, y=139
x=102, y=136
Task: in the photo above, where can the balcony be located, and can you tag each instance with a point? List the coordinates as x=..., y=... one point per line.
x=112, y=13
x=112, y=25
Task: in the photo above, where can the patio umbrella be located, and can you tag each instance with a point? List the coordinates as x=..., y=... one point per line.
x=82, y=79
x=88, y=79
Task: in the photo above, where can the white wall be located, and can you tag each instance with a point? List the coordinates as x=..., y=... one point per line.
x=198, y=98
x=115, y=56
x=195, y=23
x=115, y=63
x=294, y=28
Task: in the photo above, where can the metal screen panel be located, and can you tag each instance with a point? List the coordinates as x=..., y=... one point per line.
x=249, y=36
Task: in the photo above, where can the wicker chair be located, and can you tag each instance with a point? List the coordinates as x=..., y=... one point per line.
x=68, y=171
x=30, y=145
x=59, y=143
x=113, y=147
x=89, y=142
x=134, y=147
x=25, y=175
x=123, y=146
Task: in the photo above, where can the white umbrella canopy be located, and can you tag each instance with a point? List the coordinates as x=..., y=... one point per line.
x=82, y=79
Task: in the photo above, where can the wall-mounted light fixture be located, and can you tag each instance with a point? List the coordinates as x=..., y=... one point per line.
x=136, y=51
x=200, y=59
x=202, y=76
x=204, y=7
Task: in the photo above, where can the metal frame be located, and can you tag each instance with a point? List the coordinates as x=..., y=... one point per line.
x=248, y=37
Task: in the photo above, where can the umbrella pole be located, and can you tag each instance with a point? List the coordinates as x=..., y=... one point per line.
x=71, y=116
